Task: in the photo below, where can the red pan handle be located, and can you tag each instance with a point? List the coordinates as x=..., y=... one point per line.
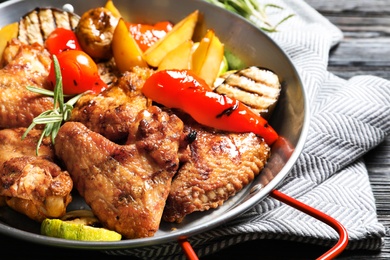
x=343, y=235
x=188, y=250
x=330, y=254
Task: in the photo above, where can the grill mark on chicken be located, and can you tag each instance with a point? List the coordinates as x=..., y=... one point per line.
x=126, y=186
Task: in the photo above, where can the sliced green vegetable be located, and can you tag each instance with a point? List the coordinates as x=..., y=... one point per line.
x=234, y=62
x=78, y=225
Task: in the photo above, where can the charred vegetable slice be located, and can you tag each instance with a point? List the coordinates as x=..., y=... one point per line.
x=257, y=88
x=36, y=25
x=78, y=225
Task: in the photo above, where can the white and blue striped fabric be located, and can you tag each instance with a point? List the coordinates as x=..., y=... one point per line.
x=348, y=118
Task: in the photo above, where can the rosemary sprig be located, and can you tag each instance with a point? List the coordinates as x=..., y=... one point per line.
x=253, y=11
x=61, y=112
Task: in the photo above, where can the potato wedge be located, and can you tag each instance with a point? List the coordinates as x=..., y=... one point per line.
x=7, y=33
x=181, y=32
x=127, y=53
x=179, y=58
x=112, y=8
x=207, y=58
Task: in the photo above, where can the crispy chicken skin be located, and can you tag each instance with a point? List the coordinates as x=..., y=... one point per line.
x=112, y=112
x=30, y=184
x=24, y=65
x=220, y=164
x=126, y=186
x=35, y=187
x=12, y=145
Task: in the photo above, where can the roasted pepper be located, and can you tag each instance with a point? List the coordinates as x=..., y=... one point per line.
x=182, y=89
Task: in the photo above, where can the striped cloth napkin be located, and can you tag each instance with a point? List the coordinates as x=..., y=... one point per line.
x=348, y=118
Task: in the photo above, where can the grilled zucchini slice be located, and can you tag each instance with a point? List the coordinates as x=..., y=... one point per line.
x=256, y=87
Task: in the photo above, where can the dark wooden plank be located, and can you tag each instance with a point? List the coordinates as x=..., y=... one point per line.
x=365, y=48
x=379, y=7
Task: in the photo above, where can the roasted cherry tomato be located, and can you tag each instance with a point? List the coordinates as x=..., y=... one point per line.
x=146, y=34
x=79, y=73
x=60, y=40
x=184, y=90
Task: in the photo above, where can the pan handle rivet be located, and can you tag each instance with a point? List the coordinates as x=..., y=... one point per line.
x=256, y=188
x=68, y=8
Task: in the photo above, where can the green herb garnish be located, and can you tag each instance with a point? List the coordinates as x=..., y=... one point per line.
x=253, y=11
x=61, y=112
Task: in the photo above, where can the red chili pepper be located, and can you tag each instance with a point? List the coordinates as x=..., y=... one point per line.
x=184, y=90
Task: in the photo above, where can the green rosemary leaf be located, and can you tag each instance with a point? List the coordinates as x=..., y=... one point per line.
x=284, y=19
x=47, y=119
x=48, y=129
x=273, y=5
x=73, y=100
x=58, y=91
x=32, y=125
x=55, y=130
x=40, y=142
x=42, y=91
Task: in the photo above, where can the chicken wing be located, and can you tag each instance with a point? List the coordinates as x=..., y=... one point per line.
x=32, y=185
x=112, y=112
x=35, y=187
x=219, y=165
x=126, y=186
x=25, y=65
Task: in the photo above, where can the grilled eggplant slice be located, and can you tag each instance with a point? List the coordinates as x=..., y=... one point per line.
x=36, y=25
x=256, y=87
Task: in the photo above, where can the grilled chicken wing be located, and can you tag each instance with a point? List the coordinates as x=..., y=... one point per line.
x=220, y=165
x=125, y=185
x=112, y=112
x=25, y=65
x=30, y=184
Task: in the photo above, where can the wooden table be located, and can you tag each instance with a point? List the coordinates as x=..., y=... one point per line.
x=364, y=50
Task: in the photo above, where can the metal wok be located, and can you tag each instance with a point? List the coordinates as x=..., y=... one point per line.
x=290, y=117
